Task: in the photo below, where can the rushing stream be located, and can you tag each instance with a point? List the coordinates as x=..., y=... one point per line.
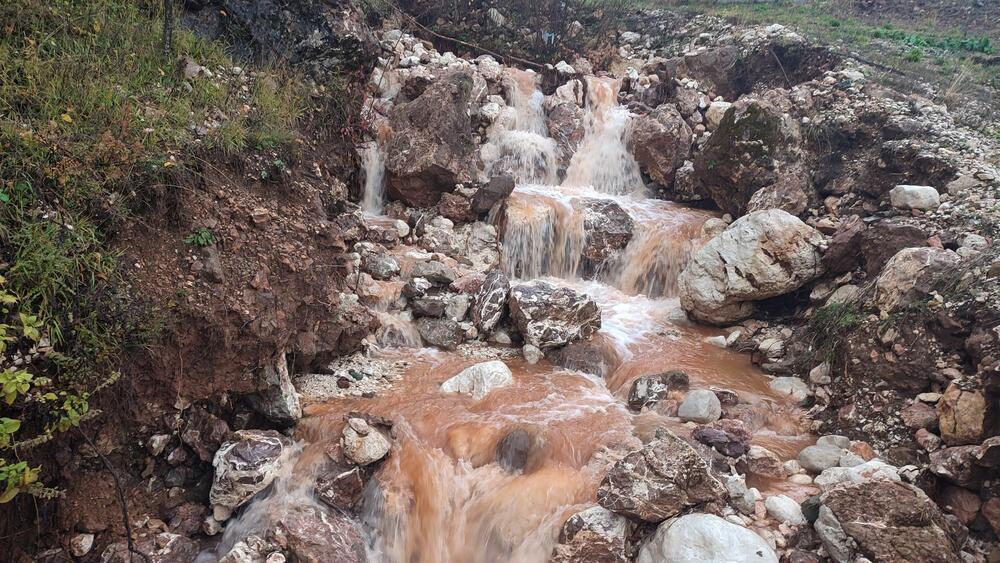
x=441, y=497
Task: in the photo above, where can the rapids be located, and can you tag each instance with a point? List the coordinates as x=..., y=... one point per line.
x=441, y=497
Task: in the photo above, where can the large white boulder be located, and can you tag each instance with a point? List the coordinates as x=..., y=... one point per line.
x=479, y=379
x=761, y=255
x=924, y=198
x=704, y=537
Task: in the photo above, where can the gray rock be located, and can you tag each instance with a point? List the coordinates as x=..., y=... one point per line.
x=700, y=406
x=513, y=450
x=276, y=398
x=443, y=333
x=244, y=467
x=362, y=443
x=379, y=265
x=906, y=197
x=784, y=510
x=761, y=255
x=705, y=537
x=792, y=387
x=434, y=272
x=819, y=457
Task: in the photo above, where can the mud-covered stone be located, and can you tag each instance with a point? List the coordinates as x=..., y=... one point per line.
x=658, y=481
x=728, y=436
x=431, y=147
x=885, y=521
x=660, y=143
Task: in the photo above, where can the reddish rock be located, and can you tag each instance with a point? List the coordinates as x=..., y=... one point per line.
x=728, y=436
x=920, y=415
x=456, y=208
x=927, y=440
x=957, y=465
x=991, y=512
x=963, y=503
x=882, y=240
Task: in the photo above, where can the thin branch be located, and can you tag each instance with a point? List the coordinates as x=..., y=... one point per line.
x=121, y=498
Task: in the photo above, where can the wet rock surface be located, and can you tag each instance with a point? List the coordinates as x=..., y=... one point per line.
x=659, y=481
x=549, y=316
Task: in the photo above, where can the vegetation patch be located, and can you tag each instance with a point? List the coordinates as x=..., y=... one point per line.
x=93, y=116
x=830, y=324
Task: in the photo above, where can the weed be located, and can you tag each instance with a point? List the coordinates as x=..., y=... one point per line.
x=200, y=237
x=830, y=324
x=914, y=55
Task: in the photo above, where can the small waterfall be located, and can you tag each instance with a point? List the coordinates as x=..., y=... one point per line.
x=373, y=198
x=518, y=143
x=397, y=330
x=603, y=160
x=544, y=236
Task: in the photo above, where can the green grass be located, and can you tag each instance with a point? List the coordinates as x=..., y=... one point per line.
x=92, y=117
x=938, y=55
x=829, y=325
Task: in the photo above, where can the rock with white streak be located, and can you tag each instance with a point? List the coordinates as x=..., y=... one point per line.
x=244, y=467
x=761, y=255
x=479, y=379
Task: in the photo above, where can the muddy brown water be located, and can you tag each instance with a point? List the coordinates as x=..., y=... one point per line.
x=441, y=496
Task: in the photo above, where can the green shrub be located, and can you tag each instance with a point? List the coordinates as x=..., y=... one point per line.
x=200, y=237
x=914, y=55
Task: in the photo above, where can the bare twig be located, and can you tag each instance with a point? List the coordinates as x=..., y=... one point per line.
x=121, y=498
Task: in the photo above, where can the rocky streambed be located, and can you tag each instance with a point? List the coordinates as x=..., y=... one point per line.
x=670, y=313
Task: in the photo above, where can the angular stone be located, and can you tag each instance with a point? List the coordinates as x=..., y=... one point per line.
x=490, y=301
x=594, y=535
x=648, y=390
x=244, y=467
x=659, y=481
x=728, y=436
x=548, y=316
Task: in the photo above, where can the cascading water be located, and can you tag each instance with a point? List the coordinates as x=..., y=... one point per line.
x=373, y=198
x=441, y=496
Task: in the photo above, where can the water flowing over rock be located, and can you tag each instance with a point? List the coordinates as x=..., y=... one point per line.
x=884, y=521
x=661, y=142
x=245, y=467
x=479, y=379
x=705, y=537
x=594, y=535
x=761, y=255
x=431, y=147
x=659, y=481
x=550, y=316
x=608, y=230
x=490, y=301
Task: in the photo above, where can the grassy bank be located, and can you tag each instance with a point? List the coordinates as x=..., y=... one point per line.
x=93, y=119
x=958, y=65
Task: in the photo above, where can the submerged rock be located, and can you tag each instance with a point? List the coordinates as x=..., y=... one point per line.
x=479, y=379
x=594, y=535
x=244, y=467
x=549, y=316
x=761, y=255
x=513, y=450
x=659, y=481
x=705, y=537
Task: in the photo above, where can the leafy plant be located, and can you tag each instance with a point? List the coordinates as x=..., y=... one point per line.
x=200, y=237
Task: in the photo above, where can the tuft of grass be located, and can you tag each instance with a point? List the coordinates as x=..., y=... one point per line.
x=914, y=55
x=829, y=325
x=92, y=117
